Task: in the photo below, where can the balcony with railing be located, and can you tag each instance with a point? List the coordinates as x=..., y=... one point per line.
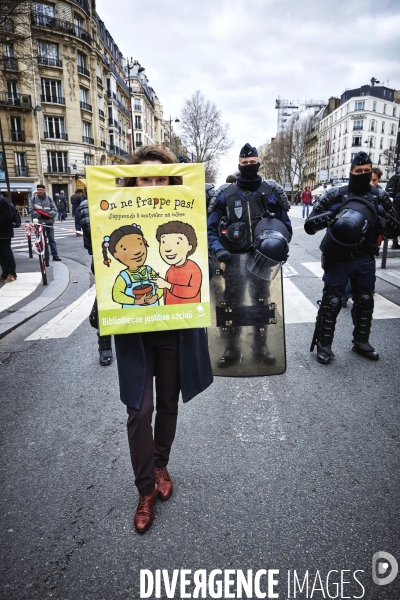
x=358, y=127
x=18, y=136
x=83, y=4
x=87, y=140
x=83, y=71
x=101, y=113
x=56, y=135
x=21, y=171
x=112, y=95
x=86, y=106
x=64, y=27
x=49, y=62
x=123, y=109
x=17, y=100
x=58, y=169
x=102, y=144
x=52, y=99
x=138, y=144
x=10, y=63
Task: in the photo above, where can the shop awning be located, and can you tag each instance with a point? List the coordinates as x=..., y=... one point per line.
x=80, y=183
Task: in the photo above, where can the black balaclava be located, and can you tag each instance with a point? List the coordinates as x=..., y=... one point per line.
x=248, y=177
x=359, y=184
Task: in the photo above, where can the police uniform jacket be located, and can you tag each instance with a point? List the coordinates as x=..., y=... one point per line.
x=220, y=210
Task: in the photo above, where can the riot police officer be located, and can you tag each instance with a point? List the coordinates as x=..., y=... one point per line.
x=234, y=216
x=354, y=215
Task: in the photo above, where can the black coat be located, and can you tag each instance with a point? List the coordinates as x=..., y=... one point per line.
x=195, y=365
x=6, y=215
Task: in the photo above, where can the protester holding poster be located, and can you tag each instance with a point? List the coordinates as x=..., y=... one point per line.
x=142, y=242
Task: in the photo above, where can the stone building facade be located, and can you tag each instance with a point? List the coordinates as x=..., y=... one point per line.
x=74, y=108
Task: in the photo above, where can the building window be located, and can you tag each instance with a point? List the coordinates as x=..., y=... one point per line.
x=374, y=106
x=391, y=144
x=359, y=124
x=79, y=24
x=10, y=61
x=138, y=122
x=383, y=127
x=360, y=105
x=84, y=96
x=137, y=104
x=344, y=143
x=48, y=54
x=138, y=139
x=394, y=111
x=57, y=162
x=87, y=132
x=55, y=128
x=17, y=134
x=21, y=169
x=44, y=13
x=384, y=109
x=392, y=129
x=52, y=91
x=372, y=124
x=82, y=64
x=357, y=140
x=88, y=159
x=381, y=144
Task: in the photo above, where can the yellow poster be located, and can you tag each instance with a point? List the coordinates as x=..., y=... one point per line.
x=149, y=248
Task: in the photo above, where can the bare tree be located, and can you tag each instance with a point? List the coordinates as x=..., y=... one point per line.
x=17, y=59
x=284, y=159
x=203, y=133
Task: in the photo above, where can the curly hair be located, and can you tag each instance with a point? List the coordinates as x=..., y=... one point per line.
x=159, y=153
x=178, y=227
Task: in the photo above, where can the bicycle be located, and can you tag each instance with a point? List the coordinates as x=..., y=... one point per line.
x=39, y=245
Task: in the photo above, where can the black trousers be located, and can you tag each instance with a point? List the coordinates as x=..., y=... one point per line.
x=162, y=363
x=7, y=260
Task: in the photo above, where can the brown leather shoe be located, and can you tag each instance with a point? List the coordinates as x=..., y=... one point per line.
x=145, y=511
x=164, y=483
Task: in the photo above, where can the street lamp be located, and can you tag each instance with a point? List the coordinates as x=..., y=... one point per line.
x=176, y=120
x=129, y=66
x=369, y=144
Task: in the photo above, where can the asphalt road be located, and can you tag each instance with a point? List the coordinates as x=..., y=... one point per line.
x=292, y=472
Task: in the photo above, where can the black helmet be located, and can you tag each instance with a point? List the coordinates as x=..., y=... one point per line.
x=271, y=248
x=349, y=226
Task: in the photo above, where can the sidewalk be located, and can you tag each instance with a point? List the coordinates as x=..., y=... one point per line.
x=25, y=297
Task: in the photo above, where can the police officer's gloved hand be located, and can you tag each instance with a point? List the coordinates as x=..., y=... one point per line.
x=223, y=255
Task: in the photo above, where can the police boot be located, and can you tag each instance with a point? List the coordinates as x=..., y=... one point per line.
x=105, y=350
x=362, y=318
x=260, y=348
x=325, y=327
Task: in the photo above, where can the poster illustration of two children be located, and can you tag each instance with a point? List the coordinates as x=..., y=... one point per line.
x=149, y=249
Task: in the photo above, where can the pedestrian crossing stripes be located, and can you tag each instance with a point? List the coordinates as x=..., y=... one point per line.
x=383, y=308
x=62, y=229
x=298, y=307
x=62, y=325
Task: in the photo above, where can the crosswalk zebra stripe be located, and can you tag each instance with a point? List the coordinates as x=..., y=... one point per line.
x=383, y=309
x=68, y=320
x=298, y=308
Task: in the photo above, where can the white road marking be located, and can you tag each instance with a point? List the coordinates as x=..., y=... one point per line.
x=298, y=308
x=14, y=292
x=384, y=309
x=288, y=271
x=314, y=267
x=68, y=320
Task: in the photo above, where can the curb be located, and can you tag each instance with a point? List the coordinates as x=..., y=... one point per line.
x=50, y=293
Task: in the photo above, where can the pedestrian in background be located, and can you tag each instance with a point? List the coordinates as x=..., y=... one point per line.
x=76, y=199
x=393, y=189
x=7, y=260
x=43, y=208
x=306, y=199
x=297, y=198
x=376, y=177
x=61, y=202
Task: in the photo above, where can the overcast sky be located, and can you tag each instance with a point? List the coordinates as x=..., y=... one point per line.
x=242, y=55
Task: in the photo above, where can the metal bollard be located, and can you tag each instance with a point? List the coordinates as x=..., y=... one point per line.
x=384, y=253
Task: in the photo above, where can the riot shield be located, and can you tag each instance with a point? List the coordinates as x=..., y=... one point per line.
x=247, y=335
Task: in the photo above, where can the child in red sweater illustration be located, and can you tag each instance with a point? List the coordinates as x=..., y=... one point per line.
x=183, y=279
